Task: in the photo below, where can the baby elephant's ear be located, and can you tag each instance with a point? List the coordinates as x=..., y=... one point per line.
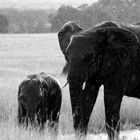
x=19, y=89
x=65, y=33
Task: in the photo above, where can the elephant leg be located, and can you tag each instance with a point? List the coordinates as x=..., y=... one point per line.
x=55, y=120
x=112, y=113
x=21, y=115
x=88, y=101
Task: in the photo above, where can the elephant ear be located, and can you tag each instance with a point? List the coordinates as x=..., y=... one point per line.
x=64, y=36
x=105, y=24
x=117, y=44
x=19, y=90
x=65, y=33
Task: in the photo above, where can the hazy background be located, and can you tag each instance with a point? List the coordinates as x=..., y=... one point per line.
x=41, y=4
x=45, y=16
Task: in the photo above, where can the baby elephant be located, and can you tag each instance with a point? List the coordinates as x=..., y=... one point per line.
x=39, y=100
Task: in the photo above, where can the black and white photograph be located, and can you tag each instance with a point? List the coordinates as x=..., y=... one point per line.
x=69, y=69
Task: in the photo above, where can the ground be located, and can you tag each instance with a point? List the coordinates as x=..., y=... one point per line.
x=21, y=55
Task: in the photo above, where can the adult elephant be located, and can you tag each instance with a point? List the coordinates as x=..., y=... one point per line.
x=107, y=56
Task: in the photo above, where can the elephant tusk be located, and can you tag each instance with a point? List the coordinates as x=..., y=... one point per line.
x=65, y=84
x=84, y=85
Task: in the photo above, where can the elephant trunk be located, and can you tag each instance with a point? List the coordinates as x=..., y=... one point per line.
x=31, y=116
x=76, y=98
x=76, y=81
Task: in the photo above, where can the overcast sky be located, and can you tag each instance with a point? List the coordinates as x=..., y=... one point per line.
x=42, y=3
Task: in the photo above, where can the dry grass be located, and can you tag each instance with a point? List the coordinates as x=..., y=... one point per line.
x=21, y=55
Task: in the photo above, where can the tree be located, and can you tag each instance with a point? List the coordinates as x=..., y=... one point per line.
x=64, y=14
x=100, y=16
x=4, y=23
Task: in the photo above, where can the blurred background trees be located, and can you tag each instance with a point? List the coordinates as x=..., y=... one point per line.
x=51, y=20
x=4, y=23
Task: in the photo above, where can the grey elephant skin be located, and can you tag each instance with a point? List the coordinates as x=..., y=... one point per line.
x=107, y=54
x=39, y=100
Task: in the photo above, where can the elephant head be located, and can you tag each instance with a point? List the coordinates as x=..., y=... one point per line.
x=96, y=54
x=96, y=51
x=31, y=97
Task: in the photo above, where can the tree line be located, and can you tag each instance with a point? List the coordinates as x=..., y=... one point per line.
x=49, y=20
x=25, y=21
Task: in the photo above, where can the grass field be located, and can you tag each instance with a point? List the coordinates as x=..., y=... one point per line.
x=21, y=55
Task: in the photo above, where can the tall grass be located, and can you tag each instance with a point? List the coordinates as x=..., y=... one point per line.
x=21, y=55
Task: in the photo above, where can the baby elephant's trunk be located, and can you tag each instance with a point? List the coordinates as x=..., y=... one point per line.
x=31, y=116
